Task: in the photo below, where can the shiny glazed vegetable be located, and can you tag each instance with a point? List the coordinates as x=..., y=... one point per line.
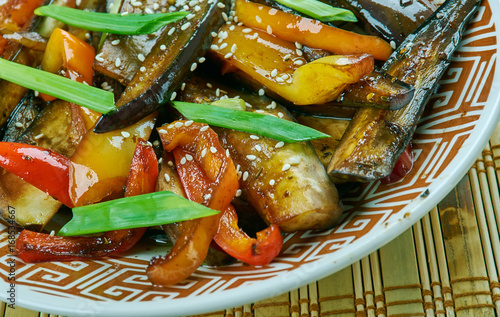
x=376, y=138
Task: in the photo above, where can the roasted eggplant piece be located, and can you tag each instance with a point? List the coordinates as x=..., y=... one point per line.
x=59, y=127
x=394, y=20
x=23, y=115
x=166, y=67
x=376, y=138
x=285, y=183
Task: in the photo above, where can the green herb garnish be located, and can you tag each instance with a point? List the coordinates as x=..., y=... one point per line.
x=265, y=125
x=57, y=86
x=319, y=10
x=133, y=212
x=129, y=24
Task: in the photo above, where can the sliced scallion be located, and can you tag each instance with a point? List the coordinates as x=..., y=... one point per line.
x=129, y=24
x=133, y=212
x=57, y=86
x=319, y=10
x=265, y=125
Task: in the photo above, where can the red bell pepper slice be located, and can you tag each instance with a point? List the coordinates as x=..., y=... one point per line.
x=208, y=176
x=40, y=247
x=238, y=244
x=42, y=168
x=403, y=166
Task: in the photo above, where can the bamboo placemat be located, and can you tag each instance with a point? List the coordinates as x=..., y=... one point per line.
x=447, y=264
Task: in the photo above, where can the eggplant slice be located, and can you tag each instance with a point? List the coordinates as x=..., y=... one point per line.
x=376, y=138
x=171, y=60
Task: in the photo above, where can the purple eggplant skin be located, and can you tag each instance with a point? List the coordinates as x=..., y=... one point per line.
x=376, y=138
x=166, y=69
x=393, y=20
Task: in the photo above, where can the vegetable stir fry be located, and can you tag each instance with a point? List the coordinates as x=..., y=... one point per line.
x=205, y=119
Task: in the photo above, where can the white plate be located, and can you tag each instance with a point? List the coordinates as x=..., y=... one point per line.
x=453, y=131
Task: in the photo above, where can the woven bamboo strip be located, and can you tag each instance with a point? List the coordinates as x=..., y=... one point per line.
x=402, y=289
x=469, y=280
x=442, y=263
x=491, y=167
x=357, y=276
x=304, y=301
x=487, y=225
x=272, y=307
x=423, y=269
x=368, y=287
x=247, y=311
x=19, y=312
x=336, y=294
x=433, y=266
x=377, y=285
x=294, y=303
x=313, y=299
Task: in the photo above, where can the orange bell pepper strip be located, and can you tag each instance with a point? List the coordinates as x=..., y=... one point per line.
x=42, y=168
x=310, y=32
x=41, y=247
x=70, y=56
x=234, y=241
x=209, y=177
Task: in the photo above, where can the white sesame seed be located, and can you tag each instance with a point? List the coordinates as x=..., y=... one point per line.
x=279, y=144
x=38, y=136
x=214, y=47
x=223, y=46
x=167, y=178
x=201, y=60
x=221, y=5
x=294, y=160
x=156, y=143
x=246, y=30
x=142, y=69
x=224, y=16
x=136, y=4
x=156, y=6
x=233, y=48
x=125, y=134
x=393, y=45
x=280, y=114
x=183, y=161
x=183, y=86
x=298, y=62
x=189, y=157
x=204, y=128
x=258, y=19
x=163, y=47
x=148, y=11
x=203, y=152
x=251, y=157
x=245, y=176
x=272, y=182
x=193, y=67
x=274, y=72
x=207, y=196
x=260, y=111
x=171, y=31
x=52, y=233
x=299, y=52
x=287, y=57
x=262, y=92
x=162, y=131
x=178, y=124
x=269, y=30
x=190, y=16
x=188, y=123
x=99, y=58
x=238, y=193
x=212, y=149
x=124, y=13
x=170, y=163
x=232, y=27
x=197, y=8
x=228, y=55
x=214, y=34
x=279, y=80
x=141, y=57
x=118, y=62
x=227, y=152
x=254, y=137
x=298, y=45
x=173, y=96
x=258, y=148
x=18, y=124
x=185, y=26
x=286, y=167
x=217, y=92
x=115, y=42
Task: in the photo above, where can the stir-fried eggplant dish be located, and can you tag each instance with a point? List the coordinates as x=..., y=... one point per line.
x=218, y=125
